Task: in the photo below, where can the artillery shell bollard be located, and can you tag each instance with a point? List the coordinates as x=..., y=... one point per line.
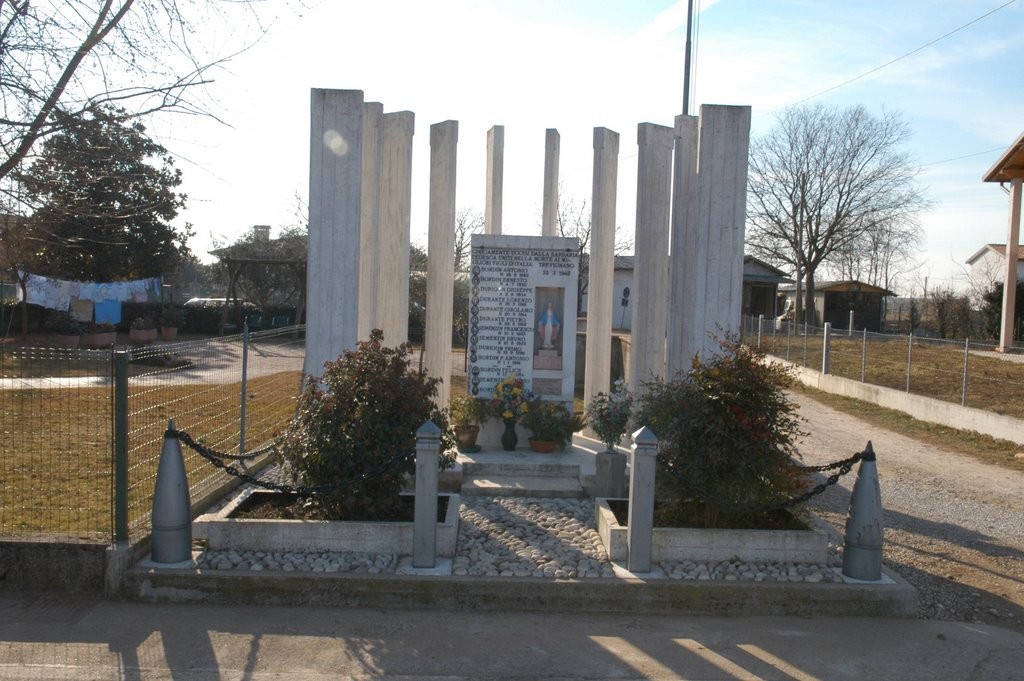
x=862, y=547
x=172, y=508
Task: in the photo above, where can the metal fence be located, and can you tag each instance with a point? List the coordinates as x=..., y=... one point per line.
x=83, y=429
x=965, y=372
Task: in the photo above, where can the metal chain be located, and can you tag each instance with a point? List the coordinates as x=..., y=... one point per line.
x=829, y=466
x=844, y=467
x=217, y=459
x=204, y=450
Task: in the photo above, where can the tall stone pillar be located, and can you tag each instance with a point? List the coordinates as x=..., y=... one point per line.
x=683, y=268
x=495, y=177
x=650, y=264
x=602, y=264
x=395, y=221
x=722, y=207
x=335, y=172
x=709, y=212
x=437, y=346
x=369, y=241
x=549, y=210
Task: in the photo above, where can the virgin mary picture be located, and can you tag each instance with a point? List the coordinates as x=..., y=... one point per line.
x=547, y=337
x=548, y=327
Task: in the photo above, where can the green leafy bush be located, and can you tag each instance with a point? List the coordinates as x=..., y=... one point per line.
x=728, y=431
x=551, y=422
x=361, y=419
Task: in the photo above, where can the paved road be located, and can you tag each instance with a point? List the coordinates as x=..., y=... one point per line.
x=60, y=638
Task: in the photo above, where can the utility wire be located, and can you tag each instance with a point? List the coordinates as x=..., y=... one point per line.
x=904, y=56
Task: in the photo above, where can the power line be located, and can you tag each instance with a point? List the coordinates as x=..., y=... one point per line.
x=904, y=56
x=959, y=158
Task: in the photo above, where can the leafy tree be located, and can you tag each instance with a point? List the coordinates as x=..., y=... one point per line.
x=992, y=309
x=105, y=195
x=19, y=252
x=821, y=180
x=62, y=58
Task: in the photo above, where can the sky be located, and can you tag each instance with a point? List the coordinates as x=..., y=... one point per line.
x=953, y=73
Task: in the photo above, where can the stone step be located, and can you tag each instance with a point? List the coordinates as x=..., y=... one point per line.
x=533, y=469
x=548, y=487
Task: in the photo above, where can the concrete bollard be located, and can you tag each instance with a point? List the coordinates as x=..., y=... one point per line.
x=172, y=508
x=640, y=531
x=424, y=531
x=862, y=547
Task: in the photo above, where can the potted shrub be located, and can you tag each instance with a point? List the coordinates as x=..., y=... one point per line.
x=171, y=320
x=467, y=413
x=608, y=414
x=142, y=331
x=67, y=332
x=98, y=335
x=550, y=424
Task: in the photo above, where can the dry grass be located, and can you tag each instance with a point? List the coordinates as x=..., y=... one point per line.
x=994, y=384
x=56, y=451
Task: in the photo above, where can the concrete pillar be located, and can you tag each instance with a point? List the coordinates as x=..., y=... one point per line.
x=369, y=219
x=495, y=177
x=437, y=355
x=424, y=529
x=549, y=211
x=602, y=265
x=395, y=222
x=335, y=172
x=682, y=272
x=722, y=213
x=640, y=531
x=1010, y=278
x=650, y=263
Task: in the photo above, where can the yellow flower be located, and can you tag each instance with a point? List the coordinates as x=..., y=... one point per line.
x=516, y=391
x=507, y=414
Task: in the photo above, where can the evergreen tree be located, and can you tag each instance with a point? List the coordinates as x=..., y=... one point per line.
x=104, y=196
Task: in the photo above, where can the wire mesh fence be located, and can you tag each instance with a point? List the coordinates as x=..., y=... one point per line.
x=83, y=429
x=966, y=372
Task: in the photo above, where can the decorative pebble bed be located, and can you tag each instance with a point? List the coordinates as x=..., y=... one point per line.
x=516, y=537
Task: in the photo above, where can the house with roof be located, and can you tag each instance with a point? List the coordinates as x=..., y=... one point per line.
x=988, y=265
x=835, y=300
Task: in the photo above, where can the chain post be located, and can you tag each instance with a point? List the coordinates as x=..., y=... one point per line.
x=245, y=373
x=963, y=389
x=910, y=353
x=424, y=536
x=826, y=348
x=121, y=444
x=864, y=355
x=640, y=533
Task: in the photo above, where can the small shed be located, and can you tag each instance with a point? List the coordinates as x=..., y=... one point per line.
x=761, y=287
x=834, y=300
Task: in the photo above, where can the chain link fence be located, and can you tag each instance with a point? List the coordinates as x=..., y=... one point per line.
x=966, y=372
x=83, y=429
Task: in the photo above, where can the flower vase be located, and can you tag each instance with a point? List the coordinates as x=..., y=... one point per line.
x=509, y=439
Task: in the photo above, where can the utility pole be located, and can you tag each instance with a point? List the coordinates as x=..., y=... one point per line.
x=687, y=58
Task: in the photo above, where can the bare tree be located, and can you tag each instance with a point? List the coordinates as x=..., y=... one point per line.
x=467, y=223
x=820, y=180
x=59, y=58
x=883, y=252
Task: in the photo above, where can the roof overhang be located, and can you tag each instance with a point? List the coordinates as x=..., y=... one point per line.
x=1010, y=165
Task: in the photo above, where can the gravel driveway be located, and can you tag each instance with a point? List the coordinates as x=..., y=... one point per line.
x=954, y=526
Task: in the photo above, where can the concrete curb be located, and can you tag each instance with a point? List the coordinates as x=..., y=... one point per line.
x=894, y=597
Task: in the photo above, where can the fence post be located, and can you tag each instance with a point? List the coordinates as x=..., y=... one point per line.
x=424, y=532
x=760, y=329
x=849, y=329
x=121, y=444
x=640, y=532
x=789, y=337
x=826, y=348
x=910, y=352
x=963, y=389
x=245, y=373
x=864, y=355
x=804, y=362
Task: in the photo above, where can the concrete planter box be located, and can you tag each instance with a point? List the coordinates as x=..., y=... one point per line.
x=242, y=534
x=686, y=543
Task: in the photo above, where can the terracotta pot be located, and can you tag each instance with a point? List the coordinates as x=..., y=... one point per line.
x=466, y=438
x=168, y=333
x=99, y=340
x=65, y=341
x=142, y=336
x=542, y=446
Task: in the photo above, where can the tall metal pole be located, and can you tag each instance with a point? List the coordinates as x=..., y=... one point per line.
x=687, y=58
